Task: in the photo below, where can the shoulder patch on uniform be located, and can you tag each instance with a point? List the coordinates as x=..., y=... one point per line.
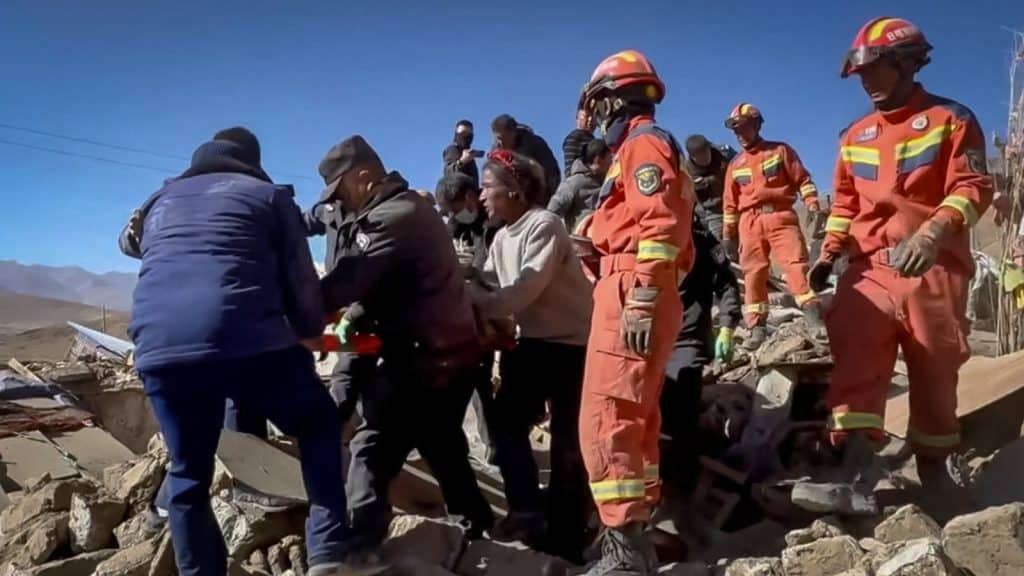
x=648, y=178
x=920, y=123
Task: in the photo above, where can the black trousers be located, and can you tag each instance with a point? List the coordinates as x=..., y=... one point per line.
x=533, y=373
x=401, y=411
x=680, y=399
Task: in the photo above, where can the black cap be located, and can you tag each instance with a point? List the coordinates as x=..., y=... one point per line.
x=696, y=143
x=350, y=153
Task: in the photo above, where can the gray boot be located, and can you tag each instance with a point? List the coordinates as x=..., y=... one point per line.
x=626, y=551
x=944, y=488
x=758, y=334
x=848, y=490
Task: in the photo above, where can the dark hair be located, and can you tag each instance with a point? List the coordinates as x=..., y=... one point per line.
x=503, y=123
x=453, y=188
x=243, y=137
x=519, y=173
x=465, y=123
x=594, y=149
x=696, y=143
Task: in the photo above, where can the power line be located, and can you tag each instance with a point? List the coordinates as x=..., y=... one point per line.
x=86, y=156
x=92, y=142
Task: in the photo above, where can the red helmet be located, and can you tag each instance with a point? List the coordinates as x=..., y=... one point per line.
x=741, y=114
x=622, y=69
x=883, y=36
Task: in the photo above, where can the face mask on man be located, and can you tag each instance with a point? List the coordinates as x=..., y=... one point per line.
x=465, y=216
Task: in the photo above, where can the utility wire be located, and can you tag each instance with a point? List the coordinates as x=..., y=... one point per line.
x=107, y=145
x=86, y=156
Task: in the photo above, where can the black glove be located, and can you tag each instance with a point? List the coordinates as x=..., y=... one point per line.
x=819, y=274
x=916, y=255
x=731, y=249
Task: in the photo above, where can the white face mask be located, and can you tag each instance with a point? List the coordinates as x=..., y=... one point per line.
x=465, y=216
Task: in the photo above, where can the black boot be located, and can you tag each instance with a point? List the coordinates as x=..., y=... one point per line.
x=944, y=489
x=812, y=319
x=849, y=489
x=626, y=551
x=758, y=334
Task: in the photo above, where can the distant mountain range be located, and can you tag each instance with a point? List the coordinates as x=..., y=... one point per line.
x=68, y=283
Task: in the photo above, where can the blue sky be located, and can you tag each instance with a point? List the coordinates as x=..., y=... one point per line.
x=163, y=76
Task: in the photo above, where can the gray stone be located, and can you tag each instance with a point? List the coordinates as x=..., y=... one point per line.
x=754, y=567
x=825, y=498
x=133, y=530
x=827, y=527
x=685, y=569
x=921, y=557
x=163, y=561
x=81, y=565
x=487, y=558
x=432, y=541
x=825, y=557
x=990, y=542
x=907, y=523
x=132, y=561
x=36, y=541
x=93, y=519
x=247, y=527
x=136, y=483
x=54, y=496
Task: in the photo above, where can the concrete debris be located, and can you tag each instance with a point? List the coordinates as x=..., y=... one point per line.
x=687, y=569
x=752, y=567
x=35, y=542
x=791, y=344
x=246, y=528
x=134, y=561
x=825, y=557
x=430, y=541
x=136, y=483
x=48, y=497
x=827, y=527
x=93, y=519
x=487, y=558
x=163, y=561
x=989, y=542
x=907, y=523
x=81, y=565
x=921, y=557
x=134, y=530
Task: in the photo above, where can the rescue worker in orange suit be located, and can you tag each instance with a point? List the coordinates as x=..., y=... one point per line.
x=910, y=181
x=761, y=185
x=641, y=229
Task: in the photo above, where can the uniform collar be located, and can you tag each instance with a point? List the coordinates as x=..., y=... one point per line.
x=917, y=102
x=637, y=121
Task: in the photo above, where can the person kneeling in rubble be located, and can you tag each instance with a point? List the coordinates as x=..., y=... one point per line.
x=396, y=259
x=226, y=293
x=910, y=181
x=540, y=283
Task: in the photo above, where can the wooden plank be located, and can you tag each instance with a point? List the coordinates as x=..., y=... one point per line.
x=983, y=382
x=20, y=368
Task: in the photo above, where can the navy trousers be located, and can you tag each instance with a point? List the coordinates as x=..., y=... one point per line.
x=282, y=386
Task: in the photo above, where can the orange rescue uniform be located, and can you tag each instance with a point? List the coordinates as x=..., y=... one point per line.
x=761, y=186
x=642, y=230
x=897, y=170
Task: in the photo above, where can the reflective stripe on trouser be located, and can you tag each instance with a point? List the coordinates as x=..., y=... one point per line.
x=766, y=238
x=926, y=317
x=619, y=415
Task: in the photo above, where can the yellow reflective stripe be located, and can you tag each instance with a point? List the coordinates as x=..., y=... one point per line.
x=934, y=441
x=805, y=298
x=771, y=162
x=915, y=146
x=838, y=224
x=755, y=308
x=652, y=472
x=613, y=172
x=730, y=218
x=742, y=172
x=808, y=190
x=855, y=420
x=875, y=32
x=964, y=206
x=655, y=250
x=632, y=489
x=860, y=154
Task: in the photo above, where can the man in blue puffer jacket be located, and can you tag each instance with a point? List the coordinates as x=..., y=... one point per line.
x=227, y=296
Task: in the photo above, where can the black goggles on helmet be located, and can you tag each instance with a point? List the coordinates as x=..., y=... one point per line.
x=862, y=57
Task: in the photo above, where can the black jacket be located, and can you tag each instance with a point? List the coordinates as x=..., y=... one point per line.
x=574, y=145
x=711, y=276
x=451, y=157
x=709, y=181
x=396, y=258
x=533, y=146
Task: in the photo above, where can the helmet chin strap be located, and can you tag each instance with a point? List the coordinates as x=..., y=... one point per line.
x=614, y=125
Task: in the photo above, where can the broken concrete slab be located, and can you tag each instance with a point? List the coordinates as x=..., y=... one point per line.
x=752, y=567
x=920, y=557
x=134, y=530
x=825, y=557
x=989, y=542
x=163, y=561
x=827, y=527
x=260, y=467
x=132, y=561
x=49, y=497
x=80, y=565
x=432, y=541
x=1001, y=479
x=826, y=498
x=32, y=455
x=246, y=528
x=907, y=523
x=135, y=483
x=94, y=449
x=35, y=542
x=487, y=558
x=93, y=519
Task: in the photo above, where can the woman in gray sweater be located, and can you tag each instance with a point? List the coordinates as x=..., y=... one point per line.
x=539, y=283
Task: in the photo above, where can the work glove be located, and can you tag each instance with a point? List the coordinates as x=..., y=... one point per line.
x=1002, y=205
x=819, y=274
x=724, y=345
x=917, y=254
x=732, y=248
x=638, y=319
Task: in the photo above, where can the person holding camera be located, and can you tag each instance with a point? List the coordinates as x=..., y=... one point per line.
x=460, y=157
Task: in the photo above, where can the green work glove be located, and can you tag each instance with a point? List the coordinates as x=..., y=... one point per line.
x=724, y=345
